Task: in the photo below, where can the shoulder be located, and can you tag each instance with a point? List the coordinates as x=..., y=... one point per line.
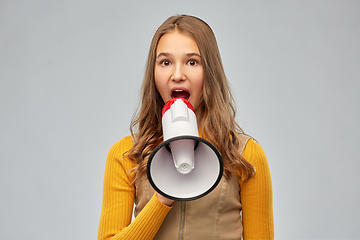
x=122, y=145
x=248, y=146
x=118, y=168
x=253, y=152
x=255, y=155
x=243, y=140
x=120, y=148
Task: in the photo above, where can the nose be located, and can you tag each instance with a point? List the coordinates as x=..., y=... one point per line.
x=178, y=74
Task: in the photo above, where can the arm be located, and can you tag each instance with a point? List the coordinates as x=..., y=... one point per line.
x=256, y=196
x=118, y=201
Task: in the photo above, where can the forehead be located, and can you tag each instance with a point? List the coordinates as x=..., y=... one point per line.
x=176, y=42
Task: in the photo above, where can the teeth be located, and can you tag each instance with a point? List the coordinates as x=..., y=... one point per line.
x=180, y=93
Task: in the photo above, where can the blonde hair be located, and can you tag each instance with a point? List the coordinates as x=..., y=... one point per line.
x=217, y=109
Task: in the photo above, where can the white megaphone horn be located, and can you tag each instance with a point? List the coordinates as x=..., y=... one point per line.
x=184, y=167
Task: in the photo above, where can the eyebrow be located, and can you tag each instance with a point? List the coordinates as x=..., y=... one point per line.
x=163, y=54
x=168, y=54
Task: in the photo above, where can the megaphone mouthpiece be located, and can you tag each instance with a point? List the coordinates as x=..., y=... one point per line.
x=178, y=119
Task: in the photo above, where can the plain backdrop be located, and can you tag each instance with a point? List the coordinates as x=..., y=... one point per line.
x=70, y=73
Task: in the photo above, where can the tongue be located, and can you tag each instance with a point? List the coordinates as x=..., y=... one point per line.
x=182, y=94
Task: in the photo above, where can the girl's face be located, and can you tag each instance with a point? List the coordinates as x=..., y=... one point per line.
x=178, y=68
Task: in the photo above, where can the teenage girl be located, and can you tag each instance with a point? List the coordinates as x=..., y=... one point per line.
x=184, y=61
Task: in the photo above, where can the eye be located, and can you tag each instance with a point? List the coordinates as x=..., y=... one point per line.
x=165, y=63
x=192, y=62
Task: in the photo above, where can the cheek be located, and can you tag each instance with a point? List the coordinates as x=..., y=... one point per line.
x=199, y=83
x=197, y=93
x=157, y=77
x=160, y=75
x=161, y=84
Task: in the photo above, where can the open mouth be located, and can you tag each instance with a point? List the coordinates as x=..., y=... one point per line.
x=180, y=94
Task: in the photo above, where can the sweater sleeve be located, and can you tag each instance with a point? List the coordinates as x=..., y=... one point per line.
x=118, y=201
x=256, y=196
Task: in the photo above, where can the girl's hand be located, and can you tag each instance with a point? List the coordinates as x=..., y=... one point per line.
x=164, y=200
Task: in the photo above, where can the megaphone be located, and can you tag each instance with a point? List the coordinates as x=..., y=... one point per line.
x=183, y=167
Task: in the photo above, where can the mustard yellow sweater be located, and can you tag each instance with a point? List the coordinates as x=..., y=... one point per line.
x=119, y=194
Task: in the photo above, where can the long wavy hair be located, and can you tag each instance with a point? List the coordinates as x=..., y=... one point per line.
x=217, y=109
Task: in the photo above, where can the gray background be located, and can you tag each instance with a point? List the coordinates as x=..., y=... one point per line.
x=70, y=72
